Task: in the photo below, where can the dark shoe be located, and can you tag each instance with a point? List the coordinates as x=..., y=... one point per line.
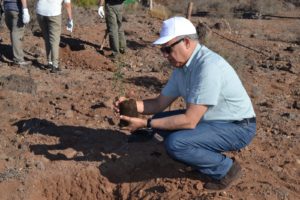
x=22, y=63
x=141, y=135
x=114, y=56
x=122, y=51
x=55, y=69
x=50, y=65
x=233, y=174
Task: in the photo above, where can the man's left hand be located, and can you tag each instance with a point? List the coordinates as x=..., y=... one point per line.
x=26, y=16
x=101, y=12
x=134, y=123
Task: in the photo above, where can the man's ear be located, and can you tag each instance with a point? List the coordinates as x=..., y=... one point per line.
x=187, y=43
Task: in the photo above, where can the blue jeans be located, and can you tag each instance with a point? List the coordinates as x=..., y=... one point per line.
x=202, y=147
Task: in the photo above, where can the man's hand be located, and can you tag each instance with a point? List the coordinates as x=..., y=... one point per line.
x=70, y=25
x=134, y=123
x=26, y=16
x=117, y=102
x=101, y=12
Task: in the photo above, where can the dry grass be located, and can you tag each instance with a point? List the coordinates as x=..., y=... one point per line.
x=226, y=9
x=86, y=3
x=160, y=12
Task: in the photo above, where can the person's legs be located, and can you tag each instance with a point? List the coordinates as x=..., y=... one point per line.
x=43, y=22
x=202, y=147
x=112, y=26
x=14, y=23
x=121, y=35
x=54, y=38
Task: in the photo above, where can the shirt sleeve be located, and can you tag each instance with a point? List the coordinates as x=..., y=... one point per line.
x=171, y=89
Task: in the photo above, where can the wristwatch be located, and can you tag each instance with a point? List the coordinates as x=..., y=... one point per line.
x=149, y=123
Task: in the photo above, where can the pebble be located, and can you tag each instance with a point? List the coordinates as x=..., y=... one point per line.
x=198, y=186
x=69, y=114
x=40, y=165
x=69, y=152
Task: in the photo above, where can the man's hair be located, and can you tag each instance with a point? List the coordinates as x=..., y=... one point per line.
x=191, y=36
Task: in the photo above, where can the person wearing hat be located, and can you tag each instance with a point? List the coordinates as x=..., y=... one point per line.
x=219, y=115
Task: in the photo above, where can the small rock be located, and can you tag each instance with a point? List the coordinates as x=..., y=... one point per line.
x=3, y=156
x=277, y=168
x=69, y=114
x=80, y=154
x=290, y=49
x=69, y=152
x=40, y=165
x=198, y=186
x=140, y=193
x=223, y=194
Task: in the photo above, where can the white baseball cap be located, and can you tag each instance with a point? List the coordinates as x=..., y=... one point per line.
x=173, y=27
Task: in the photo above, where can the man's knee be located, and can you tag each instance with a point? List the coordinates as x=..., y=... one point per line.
x=181, y=150
x=174, y=146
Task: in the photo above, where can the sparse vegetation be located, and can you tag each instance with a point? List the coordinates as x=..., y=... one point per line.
x=160, y=12
x=118, y=78
x=89, y=3
x=86, y=3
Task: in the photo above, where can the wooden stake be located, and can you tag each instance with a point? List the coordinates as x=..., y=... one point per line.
x=103, y=40
x=189, y=11
x=150, y=4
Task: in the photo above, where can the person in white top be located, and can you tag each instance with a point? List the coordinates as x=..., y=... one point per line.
x=49, y=18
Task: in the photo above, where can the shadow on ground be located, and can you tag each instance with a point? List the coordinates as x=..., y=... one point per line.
x=120, y=161
x=148, y=82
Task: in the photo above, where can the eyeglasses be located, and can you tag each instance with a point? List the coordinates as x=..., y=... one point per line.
x=168, y=49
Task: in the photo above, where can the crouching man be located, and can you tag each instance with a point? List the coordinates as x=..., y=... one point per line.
x=219, y=115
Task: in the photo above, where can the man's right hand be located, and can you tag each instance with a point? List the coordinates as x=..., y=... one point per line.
x=101, y=12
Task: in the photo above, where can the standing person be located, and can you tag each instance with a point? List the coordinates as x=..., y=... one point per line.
x=113, y=16
x=219, y=116
x=16, y=16
x=49, y=18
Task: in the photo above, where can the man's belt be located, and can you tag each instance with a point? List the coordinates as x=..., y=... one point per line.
x=246, y=120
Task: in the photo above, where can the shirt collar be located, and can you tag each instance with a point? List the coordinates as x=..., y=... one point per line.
x=189, y=62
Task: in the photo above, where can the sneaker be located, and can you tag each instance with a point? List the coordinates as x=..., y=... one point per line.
x=141, y=135
x=49, y=64
x=233, y=174
x=22, y=63
x=55, y=69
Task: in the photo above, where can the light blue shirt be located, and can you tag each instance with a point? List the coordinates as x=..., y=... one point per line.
x=208, y=79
